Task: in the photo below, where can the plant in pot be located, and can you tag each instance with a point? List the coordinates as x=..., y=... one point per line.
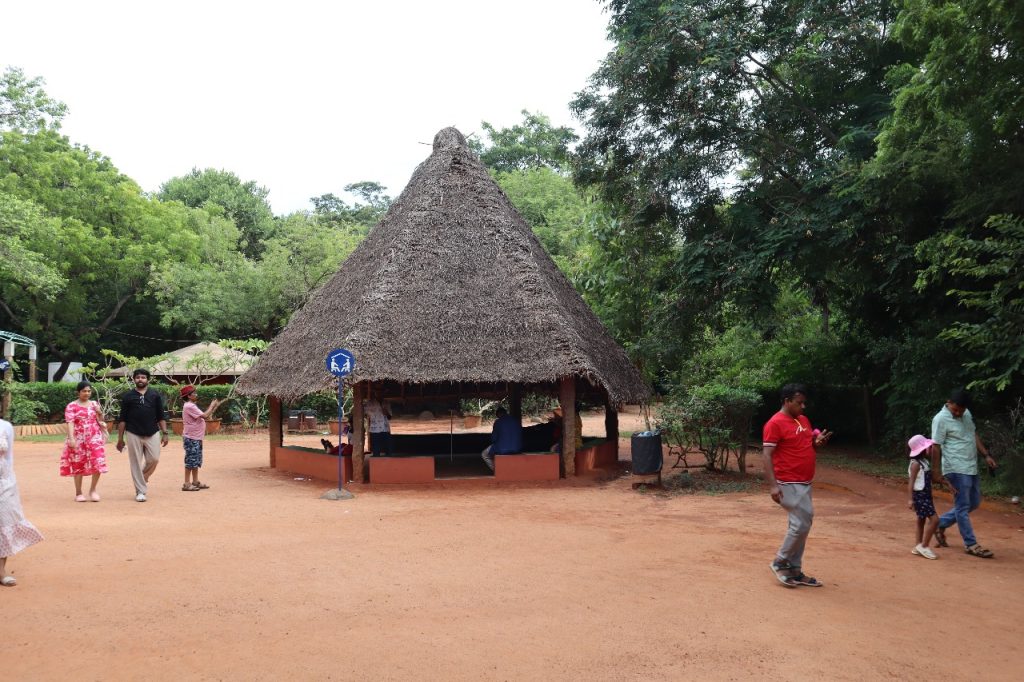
x=204, y=367
x=475, y=409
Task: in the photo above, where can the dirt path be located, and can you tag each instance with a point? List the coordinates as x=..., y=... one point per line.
x=259, y=579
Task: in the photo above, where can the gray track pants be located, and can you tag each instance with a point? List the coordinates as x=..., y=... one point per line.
x=796, y=499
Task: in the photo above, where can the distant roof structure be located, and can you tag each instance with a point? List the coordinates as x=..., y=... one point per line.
x=204, y=359
x=451, y=286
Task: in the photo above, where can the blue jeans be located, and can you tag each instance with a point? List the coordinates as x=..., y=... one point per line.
x=967, y=499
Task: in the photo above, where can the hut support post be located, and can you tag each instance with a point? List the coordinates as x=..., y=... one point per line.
x=567, y=399
x=358, y=435
x=611, y=426
x=515, y=402
x=274, y=425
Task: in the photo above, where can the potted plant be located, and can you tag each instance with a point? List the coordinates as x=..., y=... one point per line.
x=474, y=409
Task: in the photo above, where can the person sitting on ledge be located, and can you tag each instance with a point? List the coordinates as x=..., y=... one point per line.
x=506, y=437
x=346, y=433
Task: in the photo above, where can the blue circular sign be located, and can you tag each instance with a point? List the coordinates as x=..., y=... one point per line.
x=340, y=362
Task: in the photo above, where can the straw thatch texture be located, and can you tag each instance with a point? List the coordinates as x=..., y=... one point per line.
x=450, y=286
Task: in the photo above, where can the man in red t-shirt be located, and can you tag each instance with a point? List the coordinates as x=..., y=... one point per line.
x=789, y=457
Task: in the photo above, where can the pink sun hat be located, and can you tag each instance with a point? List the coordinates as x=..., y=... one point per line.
x=918, y=444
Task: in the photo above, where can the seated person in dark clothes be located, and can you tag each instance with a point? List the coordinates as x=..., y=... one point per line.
x=506, y=437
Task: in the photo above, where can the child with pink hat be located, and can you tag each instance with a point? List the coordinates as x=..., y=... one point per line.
x=920, y=492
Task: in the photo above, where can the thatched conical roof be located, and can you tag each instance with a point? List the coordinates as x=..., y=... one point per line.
x=450, y=286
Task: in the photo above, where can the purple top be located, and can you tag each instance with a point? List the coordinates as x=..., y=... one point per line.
x=195, y=425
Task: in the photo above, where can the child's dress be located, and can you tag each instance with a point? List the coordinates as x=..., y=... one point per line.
x=87, y=457
x=16, y=533
x=922, y=495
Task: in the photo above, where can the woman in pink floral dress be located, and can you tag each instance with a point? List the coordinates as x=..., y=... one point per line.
x=83, y=450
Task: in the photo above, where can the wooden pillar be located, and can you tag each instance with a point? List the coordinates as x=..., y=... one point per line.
x=611, y=425
x=515, y=402
x=567, y=399
x=32, y=364
x=276, y=432
x=358, y=431
x=5, y=402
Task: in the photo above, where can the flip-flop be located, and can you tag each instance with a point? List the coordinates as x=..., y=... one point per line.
x=200, y=486
x=940, y=537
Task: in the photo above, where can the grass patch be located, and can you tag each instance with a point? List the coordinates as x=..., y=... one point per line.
x=895, y=468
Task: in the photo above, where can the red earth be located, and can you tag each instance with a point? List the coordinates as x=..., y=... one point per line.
x=258, y=578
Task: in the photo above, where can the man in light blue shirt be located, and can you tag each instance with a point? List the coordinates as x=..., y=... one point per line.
x=957, y=441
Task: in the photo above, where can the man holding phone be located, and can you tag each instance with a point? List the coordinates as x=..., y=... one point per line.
x=789, y=459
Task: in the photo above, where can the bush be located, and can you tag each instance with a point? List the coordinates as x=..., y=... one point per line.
x=714, y=419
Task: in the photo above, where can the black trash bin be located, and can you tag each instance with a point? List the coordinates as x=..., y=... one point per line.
x=646, y=452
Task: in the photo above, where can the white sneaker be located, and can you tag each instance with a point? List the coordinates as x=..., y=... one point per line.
x=140, y=498
x=924, y=551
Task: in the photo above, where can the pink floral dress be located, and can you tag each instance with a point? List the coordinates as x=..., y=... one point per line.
x=87, y=456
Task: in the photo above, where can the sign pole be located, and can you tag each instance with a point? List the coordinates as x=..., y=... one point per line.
x=340, y=363
x=341, y=408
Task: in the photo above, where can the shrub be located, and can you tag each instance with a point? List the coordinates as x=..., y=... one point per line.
x=712, y=418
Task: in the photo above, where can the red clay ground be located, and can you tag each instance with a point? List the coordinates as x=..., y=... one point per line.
x=257, y=578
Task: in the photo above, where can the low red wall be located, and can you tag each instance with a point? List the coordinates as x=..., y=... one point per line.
x=401, y=469
x=535, y=467
x=307, y=462
x=604, y=455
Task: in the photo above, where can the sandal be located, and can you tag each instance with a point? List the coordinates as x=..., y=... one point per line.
x=79, y=497
x=787, y=580
x=8, y=581
x=188, y=488
x=940, y=537
x=807, y=581
x=200, y=486
x=94, y=496
x=979, y=551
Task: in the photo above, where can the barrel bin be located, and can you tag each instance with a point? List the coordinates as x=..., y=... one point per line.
x=646, y=452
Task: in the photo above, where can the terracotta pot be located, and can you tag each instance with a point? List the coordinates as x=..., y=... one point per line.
x=178, y=426
x=471, y=421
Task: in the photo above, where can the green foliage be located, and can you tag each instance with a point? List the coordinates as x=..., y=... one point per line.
x=712, y=418
x=534, y=143
x=24, y=105
x=244, y=203
x=21, y=223
x=993, y=266
x=1004, y=436
x=25, y=410
x=358, y=217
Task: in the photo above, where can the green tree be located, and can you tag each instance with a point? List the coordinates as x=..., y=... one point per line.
x=360, y=215
x=244, y=202
x=24, y=105
x=534, y=143
x=230, y=295
x=738, y=122
x=22, y=223
x=95, y=230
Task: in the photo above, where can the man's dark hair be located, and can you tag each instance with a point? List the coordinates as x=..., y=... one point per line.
x=500, y=411
x=960, y=396
x=81, y=385
x=789, y=391
x=143, y=372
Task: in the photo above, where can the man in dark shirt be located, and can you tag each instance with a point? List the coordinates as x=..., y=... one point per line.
x=506, y=437
x=142, y=416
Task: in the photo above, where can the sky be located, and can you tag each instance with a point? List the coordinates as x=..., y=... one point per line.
x=303, y=97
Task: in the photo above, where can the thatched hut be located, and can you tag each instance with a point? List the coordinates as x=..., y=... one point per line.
x=451, y=294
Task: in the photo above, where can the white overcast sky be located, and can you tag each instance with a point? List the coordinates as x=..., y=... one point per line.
x=304, y=97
